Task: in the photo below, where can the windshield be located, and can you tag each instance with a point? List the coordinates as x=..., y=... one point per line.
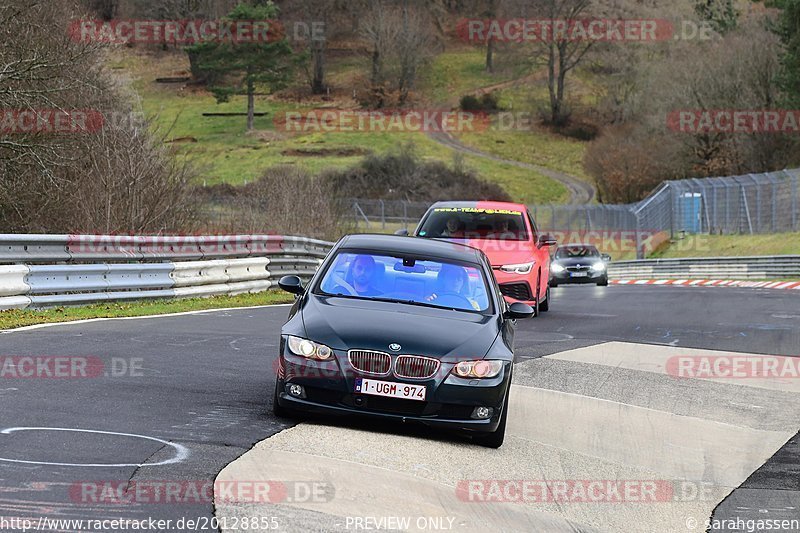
x=425, y=282
x=569, y=252
x=474, y=223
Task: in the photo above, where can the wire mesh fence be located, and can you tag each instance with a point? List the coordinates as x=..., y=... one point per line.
x=747, y=204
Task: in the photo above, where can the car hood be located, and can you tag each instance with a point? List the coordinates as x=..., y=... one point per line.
x=575, y=261
x=344, y=323
x=502, y=252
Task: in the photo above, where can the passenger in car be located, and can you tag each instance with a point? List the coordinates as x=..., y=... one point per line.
x=452, y=284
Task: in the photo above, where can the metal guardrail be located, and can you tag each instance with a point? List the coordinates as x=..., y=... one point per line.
x=84, y=269
x=125, y=248
x=766, y=267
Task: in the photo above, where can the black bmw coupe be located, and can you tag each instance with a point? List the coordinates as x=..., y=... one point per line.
x=401, y=328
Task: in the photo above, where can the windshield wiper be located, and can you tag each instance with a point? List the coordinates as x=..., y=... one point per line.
x=420, y=304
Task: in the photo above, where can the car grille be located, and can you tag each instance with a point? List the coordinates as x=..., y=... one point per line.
x=578, y=269
x=416, y=367
x=369, y=362
x=518, y=291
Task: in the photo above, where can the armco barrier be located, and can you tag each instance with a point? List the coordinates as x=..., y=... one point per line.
x=31, y=249
x=84, y=269
x=733, y=268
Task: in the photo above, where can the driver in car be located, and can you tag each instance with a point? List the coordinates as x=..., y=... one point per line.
x=362, y=276
x=452, y=281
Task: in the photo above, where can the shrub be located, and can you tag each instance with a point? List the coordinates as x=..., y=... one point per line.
x=402, y=175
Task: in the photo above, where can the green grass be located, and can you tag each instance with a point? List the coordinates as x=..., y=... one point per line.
x=534, y=147
x=16, y=318
x=224, y=152
x=732, y=246
x=453, y=74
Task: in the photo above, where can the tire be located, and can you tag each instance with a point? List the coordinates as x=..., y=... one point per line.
x=545, y=305
x=603, y=283
x=277, y=409
x=553, y=284
x=495, y=439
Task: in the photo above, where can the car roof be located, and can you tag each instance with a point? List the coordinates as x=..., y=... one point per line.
x=412, y=245
x=483, y=205
x=577, y=245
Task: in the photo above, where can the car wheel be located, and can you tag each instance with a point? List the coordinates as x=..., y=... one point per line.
x=536, y=299
x=277, y=409
x=496, y=438
x=603, y=283
x=545, y=305
x=553, y=284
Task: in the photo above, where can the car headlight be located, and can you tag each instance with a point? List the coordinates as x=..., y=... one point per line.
x=522, y=268
x=556, y=268
x=478, y=369
x=309, y=349
x=599, y=267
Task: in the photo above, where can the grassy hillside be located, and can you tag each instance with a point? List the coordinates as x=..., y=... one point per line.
x=733, y=245
x=226, y=153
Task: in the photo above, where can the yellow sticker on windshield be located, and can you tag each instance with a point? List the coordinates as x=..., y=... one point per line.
x=476, y=210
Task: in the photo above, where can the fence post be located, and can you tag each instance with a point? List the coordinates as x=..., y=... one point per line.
x=383, y=214
x=774, y=205
x=794, y=202
x=405, y=214
x=639, y=248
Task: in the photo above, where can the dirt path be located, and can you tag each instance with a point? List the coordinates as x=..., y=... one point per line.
x=580, y=191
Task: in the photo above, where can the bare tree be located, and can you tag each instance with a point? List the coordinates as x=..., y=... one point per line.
x=110, y=176
x=560, y=54
x=401, y=39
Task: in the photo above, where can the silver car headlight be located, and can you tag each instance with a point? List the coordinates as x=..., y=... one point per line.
x=522, y=268
x=556, y=268
x=478, y=369
x=309, y=349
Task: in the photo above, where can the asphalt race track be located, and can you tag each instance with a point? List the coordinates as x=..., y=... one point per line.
x=178, y=399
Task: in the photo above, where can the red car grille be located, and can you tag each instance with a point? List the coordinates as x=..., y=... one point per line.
x=369, y=362
x=518, y=291
x=416, y=367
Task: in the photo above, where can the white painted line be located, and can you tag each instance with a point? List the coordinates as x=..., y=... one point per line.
x=181, y=452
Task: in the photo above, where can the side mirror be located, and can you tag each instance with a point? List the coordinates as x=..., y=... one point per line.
x=519, y=310
x=291, y=284
x=402, y=232
x=546, y=240
x=606, y=258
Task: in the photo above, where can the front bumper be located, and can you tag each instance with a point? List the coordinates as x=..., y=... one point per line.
x=517, y=287
x=566, y=277
x=328, y=388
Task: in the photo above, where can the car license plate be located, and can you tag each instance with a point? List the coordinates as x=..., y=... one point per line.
x=580, y=274
x=390, y=389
